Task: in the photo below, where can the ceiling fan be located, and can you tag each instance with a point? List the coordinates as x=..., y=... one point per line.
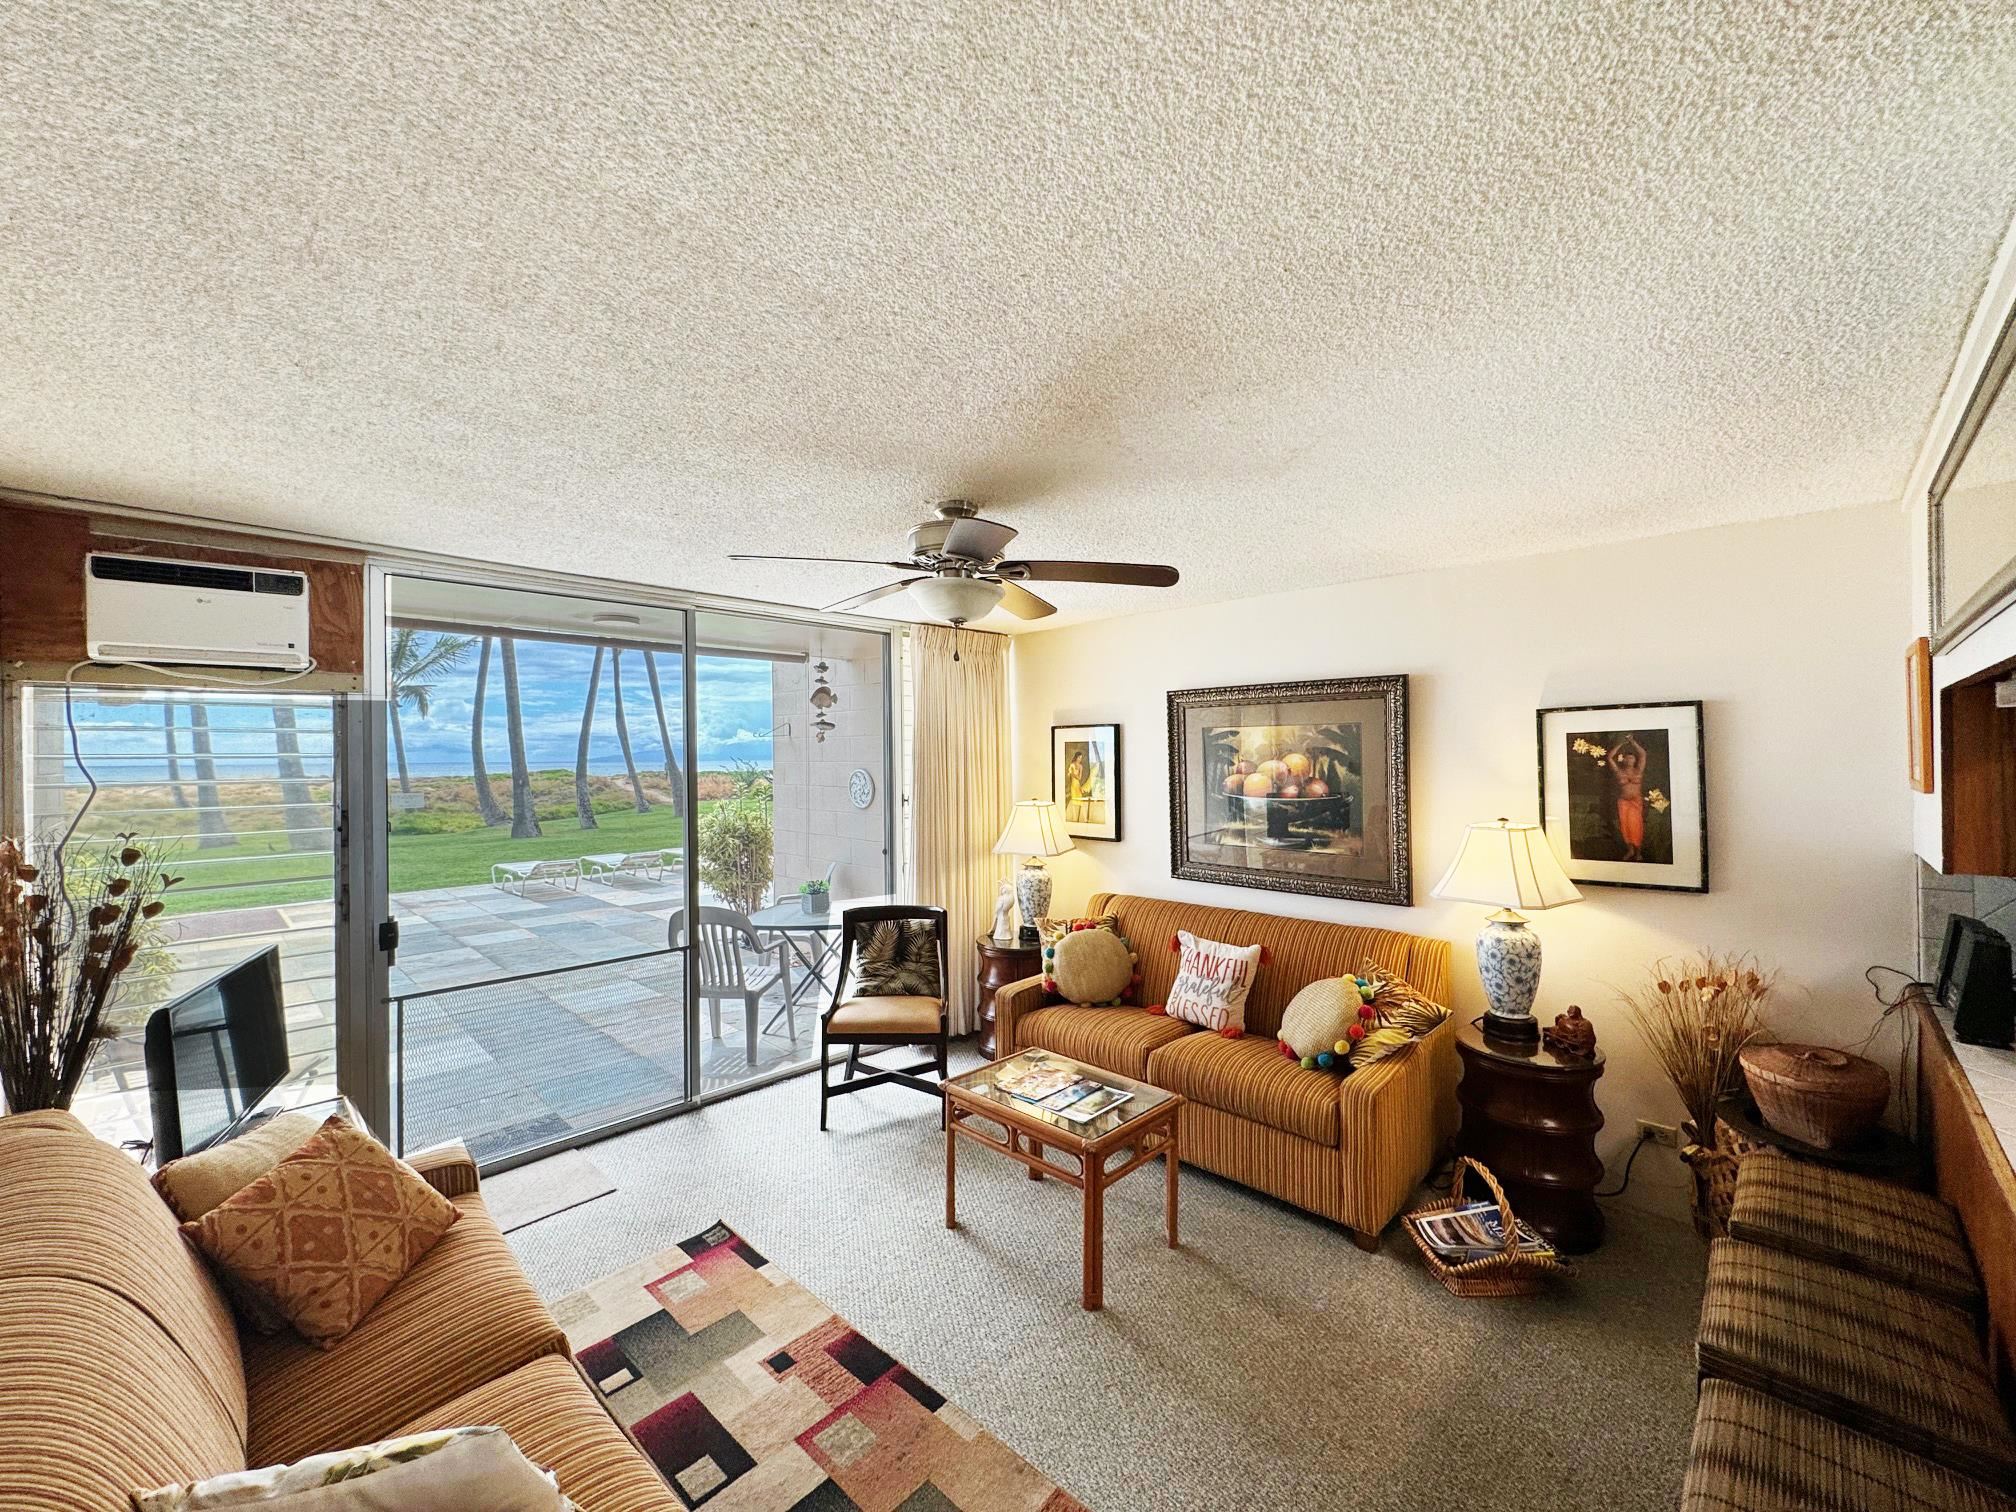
x=963, y=574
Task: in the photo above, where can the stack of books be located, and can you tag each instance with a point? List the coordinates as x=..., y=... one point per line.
x=1474, y=1231
x=1058, y=1090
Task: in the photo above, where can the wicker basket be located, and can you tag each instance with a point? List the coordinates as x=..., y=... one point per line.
x=1715, y=1168
x=1508, y=1274
x=1815, y=1093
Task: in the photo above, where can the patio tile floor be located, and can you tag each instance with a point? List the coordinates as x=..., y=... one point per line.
x=502, y=1067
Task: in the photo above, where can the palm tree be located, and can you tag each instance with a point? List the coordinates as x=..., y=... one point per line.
x=486, y=801
x=212, y=829
x=623, y=730
x=524, y=818
x=175, y=794
x=413, y=658
x=303, y=832
x=665, y=737
x=582, y=807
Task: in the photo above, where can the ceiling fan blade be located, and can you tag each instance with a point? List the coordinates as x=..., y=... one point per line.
x=1135, y=574
x=977, y=540
x=749, y=556
x=1023, y=604
x=870, y=596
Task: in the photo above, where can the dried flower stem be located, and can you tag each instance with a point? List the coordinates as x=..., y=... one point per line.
x=1697, y=1013
x=67, y=933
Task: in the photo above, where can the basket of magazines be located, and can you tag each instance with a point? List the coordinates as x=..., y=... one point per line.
x=1479, y=1249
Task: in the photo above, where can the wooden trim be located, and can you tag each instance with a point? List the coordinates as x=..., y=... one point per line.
x=1971, y=1171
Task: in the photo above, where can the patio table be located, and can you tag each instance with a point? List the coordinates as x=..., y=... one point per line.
x=814, y=938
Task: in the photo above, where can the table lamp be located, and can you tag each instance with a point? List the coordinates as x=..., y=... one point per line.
x=1512, y=866
x=1034, y=831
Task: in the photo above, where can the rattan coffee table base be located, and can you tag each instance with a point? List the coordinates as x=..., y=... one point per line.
x=1026, y=1137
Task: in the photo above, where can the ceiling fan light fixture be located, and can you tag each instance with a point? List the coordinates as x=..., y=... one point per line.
x=956, y=600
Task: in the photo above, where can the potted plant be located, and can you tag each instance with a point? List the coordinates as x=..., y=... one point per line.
x=816, y=896
x=69, y=929
x=735, y=852
x=1698, y=1013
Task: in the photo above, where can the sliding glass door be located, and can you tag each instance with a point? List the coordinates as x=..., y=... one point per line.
x=617, y=840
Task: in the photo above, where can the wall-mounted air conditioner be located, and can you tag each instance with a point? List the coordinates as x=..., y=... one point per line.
x=194, y=613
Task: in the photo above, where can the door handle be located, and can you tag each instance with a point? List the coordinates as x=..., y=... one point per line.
x=388, y=939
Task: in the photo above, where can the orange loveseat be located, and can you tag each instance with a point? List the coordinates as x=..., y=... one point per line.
x=1352, y=1148
x=122, y=1367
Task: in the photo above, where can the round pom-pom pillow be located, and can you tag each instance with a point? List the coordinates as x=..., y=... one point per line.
x=1316, y=1026
x=1090, y=967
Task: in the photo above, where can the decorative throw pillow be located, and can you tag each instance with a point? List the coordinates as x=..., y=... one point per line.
x=897, y=958
x=1212, y=982
x=1050, y=930
x=1325, y=1020
x=419, y=1472
x=196, y=1183
x=1090, y=966
x=1403, y=1015
x=327, y=1232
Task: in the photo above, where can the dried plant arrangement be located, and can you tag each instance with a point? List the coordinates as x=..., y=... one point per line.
x=1697, y=1013
x=69, y=928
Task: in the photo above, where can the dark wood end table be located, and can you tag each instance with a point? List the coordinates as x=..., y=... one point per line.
x=1000, y=964
x=1531, y=1116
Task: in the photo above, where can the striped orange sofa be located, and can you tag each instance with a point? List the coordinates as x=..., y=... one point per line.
x=121, y=1366
x=1351, y=1148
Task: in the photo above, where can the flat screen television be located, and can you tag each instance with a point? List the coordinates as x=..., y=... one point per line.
x=214, y=1053
x=1977, y=983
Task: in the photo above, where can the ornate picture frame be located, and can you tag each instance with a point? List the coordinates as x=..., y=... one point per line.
x=1085, y=779
x=1624, y=793
x=1294, y=787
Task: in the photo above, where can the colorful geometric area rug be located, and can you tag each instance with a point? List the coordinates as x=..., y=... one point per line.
x=749, y=1393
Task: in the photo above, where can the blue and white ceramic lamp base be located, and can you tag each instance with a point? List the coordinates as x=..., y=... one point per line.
x=1508, y=959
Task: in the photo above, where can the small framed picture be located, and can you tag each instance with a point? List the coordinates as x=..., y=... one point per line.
x=1085, y=779
x=1918, y=692
x=1624, y=794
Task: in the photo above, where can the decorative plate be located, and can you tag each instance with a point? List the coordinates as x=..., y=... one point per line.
x=861, y=788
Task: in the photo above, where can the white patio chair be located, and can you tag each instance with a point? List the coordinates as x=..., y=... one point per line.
x=651, y=865
x=507, y=876
x=719, y=942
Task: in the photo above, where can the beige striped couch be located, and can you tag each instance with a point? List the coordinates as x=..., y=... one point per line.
x=1351, y=1148
x=121, y=1366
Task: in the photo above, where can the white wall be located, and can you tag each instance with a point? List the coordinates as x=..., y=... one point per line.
x=1791, y=631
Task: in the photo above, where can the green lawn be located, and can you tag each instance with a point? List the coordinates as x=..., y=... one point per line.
x=419, y=862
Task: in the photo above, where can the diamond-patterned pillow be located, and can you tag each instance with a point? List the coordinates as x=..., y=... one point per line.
x=327, y=1232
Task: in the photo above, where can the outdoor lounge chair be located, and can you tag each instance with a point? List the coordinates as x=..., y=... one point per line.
x=508, y=876
x=648, y=864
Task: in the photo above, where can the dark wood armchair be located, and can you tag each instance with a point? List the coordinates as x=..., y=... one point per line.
x=880, y=1023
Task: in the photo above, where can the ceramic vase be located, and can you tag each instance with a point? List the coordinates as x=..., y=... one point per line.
x=1508, y=959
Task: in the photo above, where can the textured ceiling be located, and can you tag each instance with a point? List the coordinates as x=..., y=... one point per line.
x=1282, y=294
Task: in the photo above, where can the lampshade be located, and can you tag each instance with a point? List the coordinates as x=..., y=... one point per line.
x=956, y=599
x=1507, y=864
x=1033, y=830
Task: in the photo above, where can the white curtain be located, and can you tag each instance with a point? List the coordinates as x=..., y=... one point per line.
x=961, y=797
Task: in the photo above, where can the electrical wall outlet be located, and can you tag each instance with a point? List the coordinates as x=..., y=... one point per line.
x=1658, y=1133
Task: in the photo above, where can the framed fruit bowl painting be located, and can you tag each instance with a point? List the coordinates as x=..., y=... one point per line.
x=1624, y=794
x=1296, y=787
x=1085, y=779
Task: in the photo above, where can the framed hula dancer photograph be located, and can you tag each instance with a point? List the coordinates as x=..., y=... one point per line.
x=1297, y=787
x=1624, y=794
x=1085, y=779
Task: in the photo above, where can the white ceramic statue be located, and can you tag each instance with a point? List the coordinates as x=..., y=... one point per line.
x=1004, y=908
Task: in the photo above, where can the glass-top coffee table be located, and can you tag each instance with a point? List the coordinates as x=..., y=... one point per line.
x=1133, y=1119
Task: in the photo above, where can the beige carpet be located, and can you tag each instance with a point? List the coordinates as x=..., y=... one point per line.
x=1267, y=1364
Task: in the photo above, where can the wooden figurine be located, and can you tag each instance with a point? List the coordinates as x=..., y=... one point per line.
x=1571, y=1035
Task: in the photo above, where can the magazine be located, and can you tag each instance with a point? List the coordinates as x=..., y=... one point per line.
x=1100, y=1100
x=1475, y=1230
x=1036, y=1082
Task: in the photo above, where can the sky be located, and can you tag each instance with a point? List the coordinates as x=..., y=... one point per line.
x=122, y=737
